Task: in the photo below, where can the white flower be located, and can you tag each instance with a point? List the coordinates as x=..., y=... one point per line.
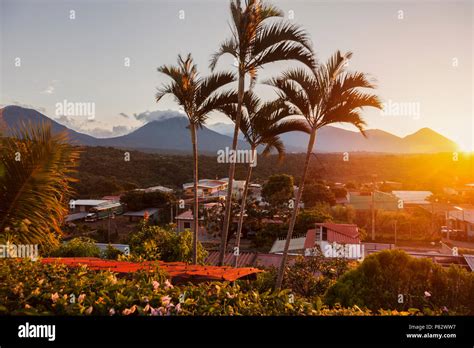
x=427, y=294
x=111, y=311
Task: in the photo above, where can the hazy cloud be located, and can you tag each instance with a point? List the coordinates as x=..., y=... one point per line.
x=51, y=88
x=158, y=115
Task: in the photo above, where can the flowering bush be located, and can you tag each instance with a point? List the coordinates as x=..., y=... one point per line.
x=33, y=288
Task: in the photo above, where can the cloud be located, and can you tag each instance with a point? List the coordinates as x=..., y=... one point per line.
x=93, y=127
x=158, y=115
x=51, y=88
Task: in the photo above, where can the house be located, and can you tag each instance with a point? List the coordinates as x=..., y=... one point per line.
x=185, y=221
x=83, y=205
x=382, y=200
x=207, y=188
x=150, y=213
x=335, y=240
x=412, y=198
x=161, y=189
x=461, y=219
x=111, y=198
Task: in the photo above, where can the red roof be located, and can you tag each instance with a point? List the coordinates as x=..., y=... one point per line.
x=339, y=233
x=178, y=271
x=245, y=259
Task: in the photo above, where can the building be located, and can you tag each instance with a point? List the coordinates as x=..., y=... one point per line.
x=84, y=205
x=151, y=213
x=161, y=189
x=382, y=200
x=412, y=198
x=461, y=219
x=335, y=240
x=207, y=188
x=185, y=221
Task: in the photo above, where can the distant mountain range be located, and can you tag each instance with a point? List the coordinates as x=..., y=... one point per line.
x=172, y=136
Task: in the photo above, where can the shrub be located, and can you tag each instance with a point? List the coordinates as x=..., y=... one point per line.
x=77, y=247
x=34, y=288
x=158, y=243
x=382, y=277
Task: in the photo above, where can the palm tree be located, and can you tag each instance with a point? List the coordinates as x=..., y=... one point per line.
x=35, y=179
x=261, y=125
x=254, y=43
x=328, y=94
x=198, y=97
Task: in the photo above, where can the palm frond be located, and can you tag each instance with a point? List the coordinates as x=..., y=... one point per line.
x=34, y=190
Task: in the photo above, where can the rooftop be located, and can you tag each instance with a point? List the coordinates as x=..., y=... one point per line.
x=413, y=197
x=141, y=213
x=89, y=202
x=178, y=271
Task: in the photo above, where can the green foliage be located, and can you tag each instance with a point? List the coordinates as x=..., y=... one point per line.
x=34, y=288
x=158, y=243
x=278, y=189
x=36, y=185
x=111, y=253
x=317, y=193
x=307, y=218
x=382, y=277
x=77, y=247
x=139, y=200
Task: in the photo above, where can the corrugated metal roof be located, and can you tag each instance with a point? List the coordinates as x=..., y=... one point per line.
x=89, y=202
x=341, y=233
x=470, y=261
x=178, y=271
x=245, y=259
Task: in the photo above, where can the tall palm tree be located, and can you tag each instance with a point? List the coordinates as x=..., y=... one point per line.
x=261, y=125
x=254, y=43
x=325, y=95
x=198, y=97
x=36, y=173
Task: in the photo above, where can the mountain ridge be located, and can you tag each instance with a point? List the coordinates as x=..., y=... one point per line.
x=171, y=134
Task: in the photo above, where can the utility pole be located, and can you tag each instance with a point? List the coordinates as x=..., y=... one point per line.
x=395, y=232
x=372, y=206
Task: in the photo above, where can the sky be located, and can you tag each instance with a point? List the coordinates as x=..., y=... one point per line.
x=106, y=54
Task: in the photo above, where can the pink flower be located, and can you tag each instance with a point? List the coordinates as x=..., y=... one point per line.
x=155, y=312
x=89, y=310
x=54, y=297
x=81, y=298
x=111, y=311
x=178, y=308
x=427, y=294
x=165, y=300
x=156, y=285
x=168, y=285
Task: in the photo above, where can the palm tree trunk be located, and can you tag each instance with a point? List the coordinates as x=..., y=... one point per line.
x=196, y=200
x=228, y=202
x=242, y=211
x=281, y=271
